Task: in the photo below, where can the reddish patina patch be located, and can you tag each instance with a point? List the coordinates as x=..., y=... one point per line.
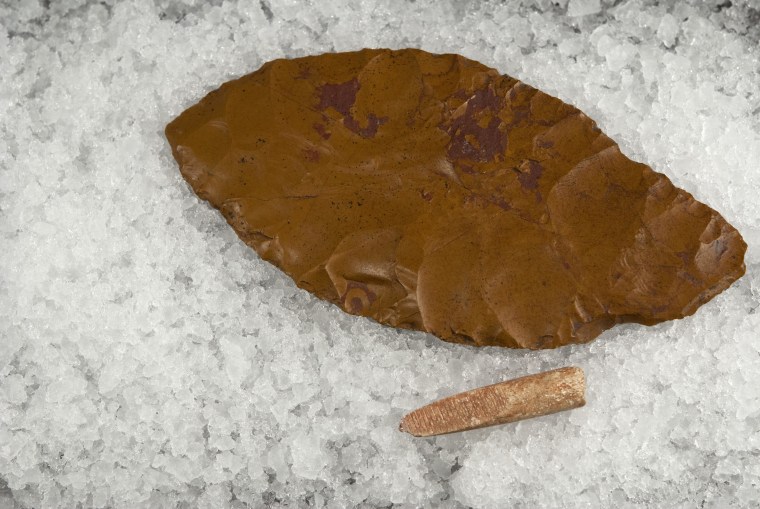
x=365, y=132
x=322, y=130
x=339, y=96
x=469, y=138
x=528, y=178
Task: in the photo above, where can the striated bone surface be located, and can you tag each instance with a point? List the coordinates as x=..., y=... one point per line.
x=510, y=401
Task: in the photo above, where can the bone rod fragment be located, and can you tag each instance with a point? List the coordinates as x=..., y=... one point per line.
x=513, y=400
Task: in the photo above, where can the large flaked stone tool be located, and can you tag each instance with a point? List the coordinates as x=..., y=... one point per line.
x=514, y=400
x=430, y=192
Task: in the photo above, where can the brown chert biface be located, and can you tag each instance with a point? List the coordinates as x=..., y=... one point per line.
x=429, y=192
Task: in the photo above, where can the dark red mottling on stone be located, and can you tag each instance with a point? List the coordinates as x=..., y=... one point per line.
x=430, y=192
x=373, y=123
x=322, y=130
x=340, y=96
x=472, y=140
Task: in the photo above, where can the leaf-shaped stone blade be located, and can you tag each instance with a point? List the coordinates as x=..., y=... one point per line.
x=430, y=192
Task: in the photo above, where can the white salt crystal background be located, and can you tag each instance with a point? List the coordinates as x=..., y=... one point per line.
x=149, y=359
